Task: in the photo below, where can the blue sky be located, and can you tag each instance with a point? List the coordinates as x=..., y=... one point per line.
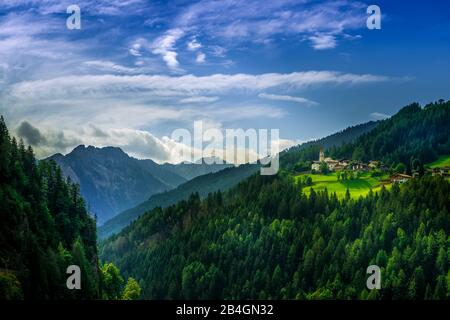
x=139, y=69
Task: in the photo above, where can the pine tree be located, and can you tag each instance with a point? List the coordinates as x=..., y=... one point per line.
x=132, y=290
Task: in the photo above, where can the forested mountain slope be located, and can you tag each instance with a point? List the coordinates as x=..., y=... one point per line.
x=266, y=239
x=203, y=185
x=414, y=136
x=309, y=151
x=44, y=227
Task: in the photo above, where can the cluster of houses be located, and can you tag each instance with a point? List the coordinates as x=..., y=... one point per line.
x=344, y=164
x=441, y=171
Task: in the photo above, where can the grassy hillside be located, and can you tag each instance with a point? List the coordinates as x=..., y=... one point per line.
x=357, y=187
x=443, y=161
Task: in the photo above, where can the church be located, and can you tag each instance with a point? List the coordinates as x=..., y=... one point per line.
x=333, y=165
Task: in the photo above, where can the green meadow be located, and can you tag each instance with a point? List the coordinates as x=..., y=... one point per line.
x=357, y=187
x=443, y=161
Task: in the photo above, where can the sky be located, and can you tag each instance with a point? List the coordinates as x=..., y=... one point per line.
x=137, y=70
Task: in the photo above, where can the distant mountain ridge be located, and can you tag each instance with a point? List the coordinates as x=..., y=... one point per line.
x=112, y=181
x=191, y=170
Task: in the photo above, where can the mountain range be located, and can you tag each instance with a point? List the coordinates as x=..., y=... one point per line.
x=222, y=180
x=111, y=181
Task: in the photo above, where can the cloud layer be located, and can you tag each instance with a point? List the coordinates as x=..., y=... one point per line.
x=138, y=69
x=121, y=106
x=187, y=84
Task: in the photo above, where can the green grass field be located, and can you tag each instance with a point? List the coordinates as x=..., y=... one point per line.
x=443, y=161
x=357, y=187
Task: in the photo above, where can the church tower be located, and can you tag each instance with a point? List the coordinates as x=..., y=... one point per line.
x=321, y=155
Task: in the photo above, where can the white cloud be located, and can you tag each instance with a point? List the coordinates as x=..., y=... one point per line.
x=323, y=41
x=190, y=84
x=137, y=101
x=201, y=57
x=96, y=7
x=108, y=66
x=137, y=143
x=135, y=50
x=288, y=99
x=323, y=23
x=379, y=116
x=170, y=57
x=164, y=46
x=199, y=99
x=283, y=144
x=217, y=51
x=29, y=35
x=193, y=45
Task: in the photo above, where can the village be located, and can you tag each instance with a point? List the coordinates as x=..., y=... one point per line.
x=334, y=165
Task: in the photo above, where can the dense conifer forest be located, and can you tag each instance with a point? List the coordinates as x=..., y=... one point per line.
x=267, y=239
x=44, y=228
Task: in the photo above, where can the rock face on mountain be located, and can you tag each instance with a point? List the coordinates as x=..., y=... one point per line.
x=111, y=181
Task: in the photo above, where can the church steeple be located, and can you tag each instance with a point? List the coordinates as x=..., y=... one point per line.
x=321, y=155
